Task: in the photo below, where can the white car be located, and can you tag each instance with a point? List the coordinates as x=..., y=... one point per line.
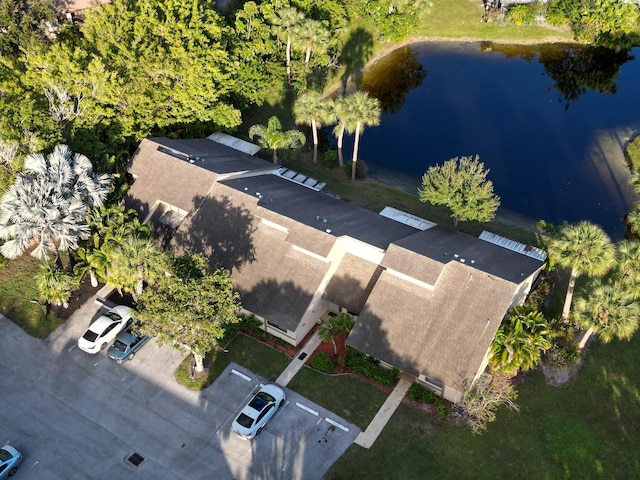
x=104, y=330
x=254, y=416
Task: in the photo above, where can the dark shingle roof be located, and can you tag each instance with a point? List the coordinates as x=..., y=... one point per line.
x=444, y=328
x=164, y=172
x=352, y=283
x=320, y=211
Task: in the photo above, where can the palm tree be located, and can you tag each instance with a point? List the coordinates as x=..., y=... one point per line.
x=585, y=249
x=136, y=262
x=627, y=267
x=311, y=35
x=271, y=136
x=313, y=109
x=633, y=221
x=609, y=310
x=366, y=112
x=342, y=323
x=48, y=204
x=345, y=123
x=285, y=22
x=520, y=342
x=54, y=285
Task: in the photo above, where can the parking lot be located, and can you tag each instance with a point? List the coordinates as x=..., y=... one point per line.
x=80, y=416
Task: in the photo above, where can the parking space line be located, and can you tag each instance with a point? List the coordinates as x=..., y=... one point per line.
x=304, y=407
x=240, y=374
x=96, y=364
x=71, y=348
x=336, y=424
x=124, y=378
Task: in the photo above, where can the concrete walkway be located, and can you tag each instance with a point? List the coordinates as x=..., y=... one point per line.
x=366, y=438
x=297, y=363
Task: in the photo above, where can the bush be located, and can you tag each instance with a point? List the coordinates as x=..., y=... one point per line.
x=370, y=368
x=322, y=361
x=524, y=14
x=422, y=394
x=249, y=322
x=441, y=409
x=555, y=16
x=361, y=170
x=330, y=158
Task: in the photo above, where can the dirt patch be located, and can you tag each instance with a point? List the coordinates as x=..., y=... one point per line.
x=556, y=376
x=78, y=298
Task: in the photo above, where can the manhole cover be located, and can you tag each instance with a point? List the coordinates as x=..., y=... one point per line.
x=135, y=459
x=302, y=356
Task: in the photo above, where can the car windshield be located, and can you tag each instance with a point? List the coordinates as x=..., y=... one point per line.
x=120, y=346
x=260, y=400
x=113, y=316
x=245, y=420
x=90, y=336
x=4, y=455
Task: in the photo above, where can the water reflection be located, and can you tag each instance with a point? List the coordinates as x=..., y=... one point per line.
x=392, y=77
x=501, y=102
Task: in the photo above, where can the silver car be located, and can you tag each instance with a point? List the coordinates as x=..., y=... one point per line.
x=260, y=409
x=10, y=460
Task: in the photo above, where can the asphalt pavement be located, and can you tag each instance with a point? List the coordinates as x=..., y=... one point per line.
x=80, y=416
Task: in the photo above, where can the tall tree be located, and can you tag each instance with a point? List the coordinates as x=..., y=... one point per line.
x=48, y=205
x=314, y=110
x=285, y=21
x=345, y=123
x=461, y=185
x=272, y=136
x=520, y=341
x=134, y=263
x=366, y=112
x=584, y=249
x=627, y=265
x=190, y=307
x=609, y=310
x=311, y=35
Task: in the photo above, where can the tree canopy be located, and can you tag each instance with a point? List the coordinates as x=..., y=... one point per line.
x=190, y=306
x=461, y=185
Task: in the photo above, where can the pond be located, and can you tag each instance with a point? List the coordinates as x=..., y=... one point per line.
x=550, y=122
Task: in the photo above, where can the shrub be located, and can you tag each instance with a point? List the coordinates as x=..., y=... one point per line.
x=330, y=158
x=422, y=394
x=322, y=361
x=441, y=409
x=370, y=368
x=555, y=16
x=526, y=14
x=361, y=170
x=249, y=322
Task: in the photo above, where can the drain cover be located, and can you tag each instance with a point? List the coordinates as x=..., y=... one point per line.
x=302, y=356
x=135, y=459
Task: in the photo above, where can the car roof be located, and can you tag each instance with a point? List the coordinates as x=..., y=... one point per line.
x=100, y=324
x=11, y=450
x=122, y=310
x=273, y=390
x=125, y=336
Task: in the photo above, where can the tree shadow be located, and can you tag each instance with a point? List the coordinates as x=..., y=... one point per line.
x=355, y=53
x=392, y=77
x=577, y=70
x=220, y=231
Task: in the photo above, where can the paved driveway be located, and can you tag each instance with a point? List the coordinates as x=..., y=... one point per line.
x=80, y=416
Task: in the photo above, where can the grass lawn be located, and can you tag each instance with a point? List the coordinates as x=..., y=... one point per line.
x=462, y=19
x=353, y=399
x=590, y=428
x=17, y=289
x=243, y=350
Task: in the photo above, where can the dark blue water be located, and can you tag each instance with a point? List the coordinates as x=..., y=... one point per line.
x=550, y=157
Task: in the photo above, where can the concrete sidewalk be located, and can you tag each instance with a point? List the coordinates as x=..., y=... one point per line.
x=297, y=363
x=366, y=438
